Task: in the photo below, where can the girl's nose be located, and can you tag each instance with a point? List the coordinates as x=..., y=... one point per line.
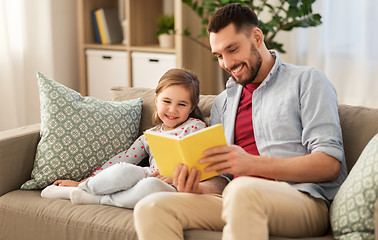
x=172, y=108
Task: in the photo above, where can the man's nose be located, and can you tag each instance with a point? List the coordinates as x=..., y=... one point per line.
x=228, y=63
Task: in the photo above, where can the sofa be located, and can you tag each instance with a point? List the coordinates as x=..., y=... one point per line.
x=25, y=215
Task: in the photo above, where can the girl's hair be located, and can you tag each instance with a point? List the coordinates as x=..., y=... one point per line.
x=184, y=78
x=242, y=17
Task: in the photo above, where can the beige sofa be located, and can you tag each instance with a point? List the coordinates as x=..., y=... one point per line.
x=25, y=215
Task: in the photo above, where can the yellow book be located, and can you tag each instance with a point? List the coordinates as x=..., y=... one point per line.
x=169, y=152
x=99, y=13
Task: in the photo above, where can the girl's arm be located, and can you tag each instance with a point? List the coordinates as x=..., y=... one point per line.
x=134, y=155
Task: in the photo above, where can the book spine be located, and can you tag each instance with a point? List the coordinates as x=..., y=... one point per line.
x=184, y=159
x=95, y=27
x=101, y=26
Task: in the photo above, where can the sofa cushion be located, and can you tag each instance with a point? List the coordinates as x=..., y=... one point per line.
x=352, y=211
x=79, y=133
x=359, y=125
x=148, y=106
x=25, y=215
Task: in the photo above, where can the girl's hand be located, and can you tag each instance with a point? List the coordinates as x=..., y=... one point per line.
x=66, y=183
x=161, y=177
x=165, y=179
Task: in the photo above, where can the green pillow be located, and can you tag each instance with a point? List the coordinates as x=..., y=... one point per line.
x=79, y=133
x=352, y=211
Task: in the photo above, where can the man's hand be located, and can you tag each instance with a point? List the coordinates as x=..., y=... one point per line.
x=185, y=182
x=190, y=183
x=229, y=159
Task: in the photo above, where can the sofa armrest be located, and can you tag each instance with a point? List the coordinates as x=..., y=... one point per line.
x=17, y=152
x=376, y=220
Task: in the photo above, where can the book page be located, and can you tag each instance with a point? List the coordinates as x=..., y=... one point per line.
x=168, y=152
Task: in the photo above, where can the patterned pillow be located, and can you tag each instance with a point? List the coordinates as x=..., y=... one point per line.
x=79, y=133
x=352, y=211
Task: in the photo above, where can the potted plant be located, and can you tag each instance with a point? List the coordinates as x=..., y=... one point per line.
x=285, y=15
x=166, y=30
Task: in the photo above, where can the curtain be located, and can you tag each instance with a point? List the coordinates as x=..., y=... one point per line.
x=35, y=35
x=344, y=47
x=11, y=56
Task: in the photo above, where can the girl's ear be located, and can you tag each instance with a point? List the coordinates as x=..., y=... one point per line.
x=193, y=106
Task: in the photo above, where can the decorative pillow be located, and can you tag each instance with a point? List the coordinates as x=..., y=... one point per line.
x=79, y=133
x=352, y=211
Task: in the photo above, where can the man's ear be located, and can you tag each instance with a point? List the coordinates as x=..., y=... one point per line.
x=258, y=36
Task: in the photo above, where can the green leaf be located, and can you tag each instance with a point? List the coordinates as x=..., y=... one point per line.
x=289, y=14
x=186, y=32
x=292, y=3
x=277, y=46
x=292, y=12
x=210, y=5
x=195, y=5
x=200, y=12
x=205, y=22
x=269, y=6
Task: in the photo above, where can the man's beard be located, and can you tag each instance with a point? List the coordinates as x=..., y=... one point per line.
x=254, y=69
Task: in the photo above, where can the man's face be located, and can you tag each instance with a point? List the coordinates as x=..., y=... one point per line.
x=236, y=53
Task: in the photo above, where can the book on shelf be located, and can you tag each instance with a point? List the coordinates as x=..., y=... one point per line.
x=108, y=25
x=95, y=27
x=169, y=151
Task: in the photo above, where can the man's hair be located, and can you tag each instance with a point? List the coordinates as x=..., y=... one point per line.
x=241, y=16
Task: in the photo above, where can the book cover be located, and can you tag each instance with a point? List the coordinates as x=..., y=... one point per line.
x=95, y=27
x=101, y=25
x=168, y=151
x=113, y=28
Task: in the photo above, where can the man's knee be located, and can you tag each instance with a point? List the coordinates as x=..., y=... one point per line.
x=246, y=188
x=151, y=203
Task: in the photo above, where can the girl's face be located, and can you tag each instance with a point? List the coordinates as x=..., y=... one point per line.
x=173, y=106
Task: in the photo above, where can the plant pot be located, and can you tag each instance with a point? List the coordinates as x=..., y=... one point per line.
x=166, y=40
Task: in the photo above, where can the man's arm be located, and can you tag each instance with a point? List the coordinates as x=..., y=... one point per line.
x=314, y=167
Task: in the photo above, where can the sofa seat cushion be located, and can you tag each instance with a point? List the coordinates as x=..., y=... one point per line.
x=24, y=211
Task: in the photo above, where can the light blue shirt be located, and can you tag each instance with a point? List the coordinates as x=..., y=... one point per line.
x=294, y=113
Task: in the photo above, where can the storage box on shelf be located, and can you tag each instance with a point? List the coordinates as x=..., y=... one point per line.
x=140, y=27
x=106, y=68
x=149, y=67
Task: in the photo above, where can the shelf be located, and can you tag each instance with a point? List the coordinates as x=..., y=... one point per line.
x=106, y=47
x=152, y=48
x=140, y=28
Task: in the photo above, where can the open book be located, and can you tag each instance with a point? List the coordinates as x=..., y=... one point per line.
x=169, y=152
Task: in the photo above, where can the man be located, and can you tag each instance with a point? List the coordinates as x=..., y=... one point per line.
x=286, y=147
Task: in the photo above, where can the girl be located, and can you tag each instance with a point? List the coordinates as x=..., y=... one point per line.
x=119, y=182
